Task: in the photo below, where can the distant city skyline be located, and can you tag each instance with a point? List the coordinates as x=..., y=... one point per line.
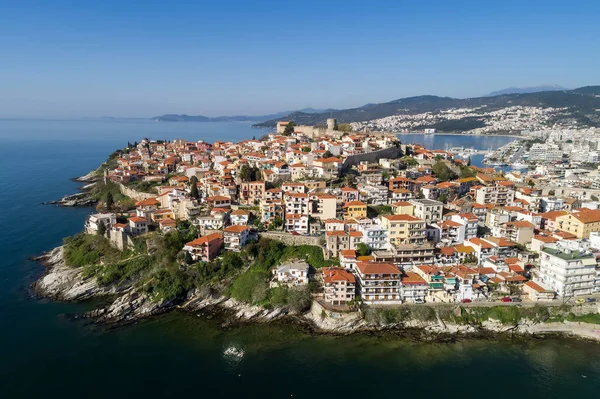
x=68, y=59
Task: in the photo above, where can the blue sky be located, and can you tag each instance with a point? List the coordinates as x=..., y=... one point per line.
x=140, y=59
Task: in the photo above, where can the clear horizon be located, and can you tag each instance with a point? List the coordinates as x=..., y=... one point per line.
x=72, y=60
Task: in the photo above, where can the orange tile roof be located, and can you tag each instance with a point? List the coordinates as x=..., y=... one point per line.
x=377, y=268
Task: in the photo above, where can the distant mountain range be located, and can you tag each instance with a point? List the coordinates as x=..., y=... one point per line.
x=582, y=104
x=235, y=118
x=524, y=90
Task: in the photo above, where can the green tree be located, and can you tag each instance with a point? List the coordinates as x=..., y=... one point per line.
x=409, y=161
x=101, y=229
x=469, y=162
x=245, y=173
x=531, y=183
x=594, y=198
x=194, y=187
x=109, y=201
x=466, y=172
x=289, y=129
x=443, y=172
x=327, y=154
x=187, y=258
x=363, y=249
x=345, y=127
x=443, y=198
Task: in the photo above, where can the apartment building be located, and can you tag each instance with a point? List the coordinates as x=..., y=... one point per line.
x=569, y=272
x=428, y=210
x=251, y=193
x=499, y=195
x=339, y=286
x=378, y=283
x=404, y=229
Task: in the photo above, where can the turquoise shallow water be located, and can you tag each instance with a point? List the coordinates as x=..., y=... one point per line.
x=44, y=353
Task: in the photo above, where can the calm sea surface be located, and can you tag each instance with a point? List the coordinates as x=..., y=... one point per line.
x=45, y=354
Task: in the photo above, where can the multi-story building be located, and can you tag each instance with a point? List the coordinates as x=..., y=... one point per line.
x=470, y=221
x=374, y=235
x=297, y=204
x=428, y=210
x=355, y=209
x=337, y=241
x=498, y=195
x=236, y=237
x=339, y=286
x=404, y=229
x=239, y=216
x=378, y=283
x=413, y=288
x=520, y=232
x=205, y=248
x=450, y=232
x=272, y=210
x=296, y=223
x=569, y=272
x=251, y=193
x=323, y=206
x=580, y=223
x=407, y=255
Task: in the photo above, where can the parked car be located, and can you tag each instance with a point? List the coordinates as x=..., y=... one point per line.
x=590, y=300
x=580, y=301
x=516, y=299
x=466, y=300
x=506, y=299
x=419, y=300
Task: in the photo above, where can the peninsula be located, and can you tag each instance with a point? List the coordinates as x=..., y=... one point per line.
x=343, y=231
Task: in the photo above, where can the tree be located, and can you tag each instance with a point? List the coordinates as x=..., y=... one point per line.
x=409, y=161
x=109, y=201
x=443, y=198
x=345, y=127
x=531, y=183
x=101, y=229
x=245, y=173
x=443, y=172
x=594, y=198
x=327, y=154
x=363, y=249
x=466, y=172
x=289, y=129
x=469, y=162
x=194, y=187
x=187, y=258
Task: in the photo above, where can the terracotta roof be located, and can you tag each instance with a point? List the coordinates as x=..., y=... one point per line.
x=377, y=268
x=331, y=274
x=412, y=278
x=235, y=229
x=137, y=219
x=354, y=203
x=204, y=240
x=147, y=202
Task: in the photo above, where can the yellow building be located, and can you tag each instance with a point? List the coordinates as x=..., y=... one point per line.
x=403, y=208
x=355, y=209
x=580, y=223
x=404, y=229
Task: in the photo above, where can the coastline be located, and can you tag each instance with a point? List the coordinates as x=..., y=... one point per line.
x=466, y=135
x=126, y=304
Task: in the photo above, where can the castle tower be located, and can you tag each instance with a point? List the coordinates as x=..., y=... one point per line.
x=331, y=124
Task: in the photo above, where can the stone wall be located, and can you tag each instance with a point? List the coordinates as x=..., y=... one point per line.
x=290, y=239
x=374, y=156
x=134, y=194
x=120, y=240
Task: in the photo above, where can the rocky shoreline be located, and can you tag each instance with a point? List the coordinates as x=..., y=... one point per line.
x=82, y=198
x=127, y=304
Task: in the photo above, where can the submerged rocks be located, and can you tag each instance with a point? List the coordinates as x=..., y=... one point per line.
x=74, y=200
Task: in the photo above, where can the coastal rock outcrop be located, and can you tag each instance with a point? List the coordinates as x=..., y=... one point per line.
x=66, y=283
